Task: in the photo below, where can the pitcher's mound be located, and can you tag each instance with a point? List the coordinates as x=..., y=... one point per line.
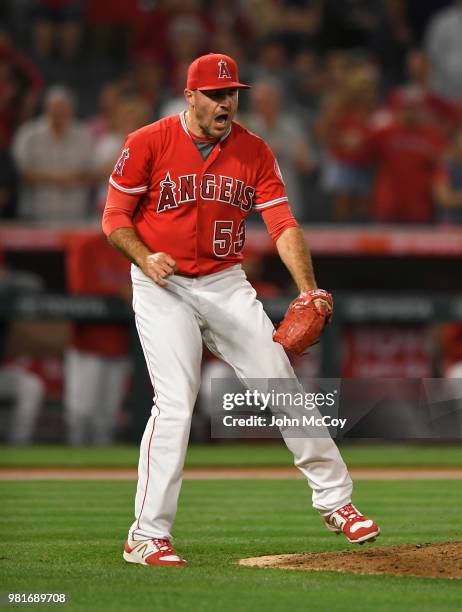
x=438, y=560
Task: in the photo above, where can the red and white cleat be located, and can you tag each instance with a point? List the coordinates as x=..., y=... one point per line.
x=357, y=527
x=151, y=552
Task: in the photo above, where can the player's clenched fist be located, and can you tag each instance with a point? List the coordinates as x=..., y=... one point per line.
x=158, y=266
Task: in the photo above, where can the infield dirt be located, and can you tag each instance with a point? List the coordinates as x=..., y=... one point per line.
x=436, y=560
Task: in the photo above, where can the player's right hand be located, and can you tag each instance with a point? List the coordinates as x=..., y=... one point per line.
x=158, y=266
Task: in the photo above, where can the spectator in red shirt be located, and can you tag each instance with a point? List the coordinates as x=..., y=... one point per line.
x=343, y=127
x=444, y=111
x=406, y=152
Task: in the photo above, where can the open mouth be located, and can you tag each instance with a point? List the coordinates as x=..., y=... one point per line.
x=221, y=119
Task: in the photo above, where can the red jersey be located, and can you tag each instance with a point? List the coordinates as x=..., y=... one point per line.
x=192, y=209
x=407, y=159
x=442, y=109
x=350, y=143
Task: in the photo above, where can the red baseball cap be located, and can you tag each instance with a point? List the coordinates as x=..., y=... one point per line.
x=213, y=71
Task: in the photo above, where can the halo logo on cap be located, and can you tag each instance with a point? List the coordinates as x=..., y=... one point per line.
x=223, y=70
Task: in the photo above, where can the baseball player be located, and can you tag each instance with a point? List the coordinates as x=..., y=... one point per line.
x=96, y=363
x=178, y=199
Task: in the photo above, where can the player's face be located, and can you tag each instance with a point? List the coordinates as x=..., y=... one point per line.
x=213, y=111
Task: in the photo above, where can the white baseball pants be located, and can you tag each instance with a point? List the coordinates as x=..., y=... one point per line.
x=27, y=390
x=222, y=310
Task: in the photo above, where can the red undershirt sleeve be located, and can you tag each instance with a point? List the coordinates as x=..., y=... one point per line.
x=278, y=218
x=119, y=210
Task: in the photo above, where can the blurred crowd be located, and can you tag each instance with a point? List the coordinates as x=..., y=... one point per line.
x=361, y=100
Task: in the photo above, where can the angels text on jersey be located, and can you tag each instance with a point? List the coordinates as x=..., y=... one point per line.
x=220, y=188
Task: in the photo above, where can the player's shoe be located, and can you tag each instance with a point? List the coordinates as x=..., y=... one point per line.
x=357, y=527
x=151, y=552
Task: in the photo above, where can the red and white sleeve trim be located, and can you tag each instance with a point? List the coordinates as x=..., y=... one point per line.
x=270, y=203
x=133, y=190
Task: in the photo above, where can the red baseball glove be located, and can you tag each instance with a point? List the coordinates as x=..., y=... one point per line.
x=304, y=320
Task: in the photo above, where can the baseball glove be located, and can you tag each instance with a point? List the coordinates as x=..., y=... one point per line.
x=304, y=320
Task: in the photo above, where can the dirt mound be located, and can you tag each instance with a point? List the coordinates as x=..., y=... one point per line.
x=438, y=560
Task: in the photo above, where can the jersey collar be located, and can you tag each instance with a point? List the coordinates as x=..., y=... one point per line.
x=185, y=127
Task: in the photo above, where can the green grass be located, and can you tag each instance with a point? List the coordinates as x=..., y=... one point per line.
x=233, y=454
x=66, y=536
